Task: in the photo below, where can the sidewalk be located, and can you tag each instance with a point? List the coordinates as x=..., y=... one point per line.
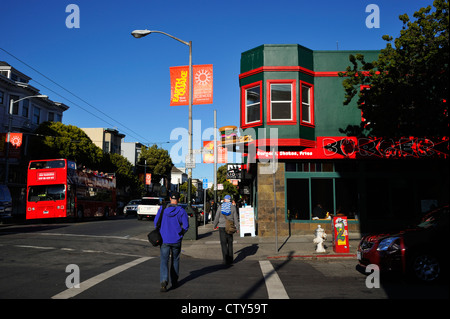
x=256, y=248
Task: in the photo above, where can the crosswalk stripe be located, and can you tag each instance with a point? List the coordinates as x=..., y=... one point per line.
x=274, y=286
x=72, y=292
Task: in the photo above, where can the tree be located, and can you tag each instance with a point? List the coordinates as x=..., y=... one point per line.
x=158, y=162
x=184, y=189
x=56, y=140
x=407, y=91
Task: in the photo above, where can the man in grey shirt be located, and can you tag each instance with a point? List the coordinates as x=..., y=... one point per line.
x=226, y=211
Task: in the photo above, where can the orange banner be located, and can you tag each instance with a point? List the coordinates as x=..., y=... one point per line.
x=15, y=144
x=208, y=158
x=202, y=82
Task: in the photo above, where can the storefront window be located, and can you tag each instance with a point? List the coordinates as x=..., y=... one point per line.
x=298, y=199
x=347, y=197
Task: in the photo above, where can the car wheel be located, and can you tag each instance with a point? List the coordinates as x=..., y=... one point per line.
x=426, y=268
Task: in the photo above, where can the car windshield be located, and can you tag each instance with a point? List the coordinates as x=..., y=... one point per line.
x=151, y=201
x=134, y=202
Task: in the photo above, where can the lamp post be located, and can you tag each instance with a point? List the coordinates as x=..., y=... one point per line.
x=11, y=103
x=143, y=33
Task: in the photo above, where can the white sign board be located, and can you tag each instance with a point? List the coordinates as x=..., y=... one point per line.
x=247, y=221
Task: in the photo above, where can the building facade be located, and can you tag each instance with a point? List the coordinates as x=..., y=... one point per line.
x=291, y=105
x=132, y=151
x=108, y=139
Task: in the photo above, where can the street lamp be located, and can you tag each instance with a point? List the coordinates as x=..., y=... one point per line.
x=143, y=33
x=11, y=103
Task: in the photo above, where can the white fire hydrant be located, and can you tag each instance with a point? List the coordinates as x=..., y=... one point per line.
x=321, y=236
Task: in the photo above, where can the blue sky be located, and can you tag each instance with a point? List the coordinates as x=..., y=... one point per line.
x=128, y=80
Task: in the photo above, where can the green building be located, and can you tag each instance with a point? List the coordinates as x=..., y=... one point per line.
x=291, y=104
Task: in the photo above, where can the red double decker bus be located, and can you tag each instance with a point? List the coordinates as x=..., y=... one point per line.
x=56, y=188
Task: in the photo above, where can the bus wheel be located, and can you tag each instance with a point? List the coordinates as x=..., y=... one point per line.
x=80, y=214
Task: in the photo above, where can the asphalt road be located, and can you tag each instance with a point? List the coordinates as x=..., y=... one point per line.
x=114, y=261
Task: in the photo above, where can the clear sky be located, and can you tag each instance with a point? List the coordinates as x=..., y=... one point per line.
x=113, y=80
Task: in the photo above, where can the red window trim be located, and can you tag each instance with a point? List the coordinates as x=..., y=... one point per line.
x=244, y=123
x=293, y=120
x=311, y=104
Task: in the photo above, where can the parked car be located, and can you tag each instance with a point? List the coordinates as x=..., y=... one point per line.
x=149, y=207
x=131, y=207
x=417, y=251
x=5, y=202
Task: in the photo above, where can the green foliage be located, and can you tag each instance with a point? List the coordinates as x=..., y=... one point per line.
x=408, y=93
x=56, y=140
x=159, y=162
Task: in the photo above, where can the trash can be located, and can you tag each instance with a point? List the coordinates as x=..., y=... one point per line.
x=192, y=233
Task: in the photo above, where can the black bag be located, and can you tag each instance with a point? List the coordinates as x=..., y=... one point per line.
x=154, y=237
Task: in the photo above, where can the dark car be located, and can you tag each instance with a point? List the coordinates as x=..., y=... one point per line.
x=5, y=202
x=417, y=251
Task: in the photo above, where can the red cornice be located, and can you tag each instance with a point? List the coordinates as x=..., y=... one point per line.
x=289, y=69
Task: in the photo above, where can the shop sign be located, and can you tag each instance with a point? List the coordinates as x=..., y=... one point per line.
x=364, y=148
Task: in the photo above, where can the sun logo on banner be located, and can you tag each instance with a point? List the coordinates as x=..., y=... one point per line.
x=203, y=77
x=16, y=141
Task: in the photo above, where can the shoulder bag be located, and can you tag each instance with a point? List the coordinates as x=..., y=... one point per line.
x=230, y=228
x=154, y=237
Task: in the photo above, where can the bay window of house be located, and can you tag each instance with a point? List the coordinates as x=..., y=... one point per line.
x=307, y=105
x=281, y=102
x=25, y=108
x=251, y=105
x=36, y=115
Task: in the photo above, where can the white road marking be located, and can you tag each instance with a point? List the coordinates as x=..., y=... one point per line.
x=274, y=286
x=34, y=247
x=127, y=237
x=85, y=285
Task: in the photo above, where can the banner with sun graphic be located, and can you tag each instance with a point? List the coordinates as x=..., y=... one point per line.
x=202, y=82
x=15, y=144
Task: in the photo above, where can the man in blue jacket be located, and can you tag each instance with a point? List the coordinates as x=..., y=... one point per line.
x=174, y=225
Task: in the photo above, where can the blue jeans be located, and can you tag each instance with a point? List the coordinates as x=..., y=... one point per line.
x=165, y=250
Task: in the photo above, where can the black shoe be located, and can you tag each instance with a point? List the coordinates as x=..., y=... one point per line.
x=175, y=285
x=163, y=286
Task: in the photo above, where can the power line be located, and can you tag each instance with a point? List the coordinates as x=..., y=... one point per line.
x=81, y=99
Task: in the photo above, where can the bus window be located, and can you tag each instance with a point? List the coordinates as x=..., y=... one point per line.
x=48, y=164
x=46, y=193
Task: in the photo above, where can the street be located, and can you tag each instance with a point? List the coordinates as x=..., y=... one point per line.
x=115, y=261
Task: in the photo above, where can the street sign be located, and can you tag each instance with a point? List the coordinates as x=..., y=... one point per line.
x=205, y=183
x=190, y=161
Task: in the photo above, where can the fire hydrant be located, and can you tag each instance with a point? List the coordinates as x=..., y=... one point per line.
x=321, y=236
